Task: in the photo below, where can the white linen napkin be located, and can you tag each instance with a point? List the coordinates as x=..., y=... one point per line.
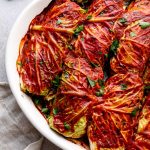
x=16, y=132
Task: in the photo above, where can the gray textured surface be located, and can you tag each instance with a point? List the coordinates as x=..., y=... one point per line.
x=9, y=11
x=16, y=133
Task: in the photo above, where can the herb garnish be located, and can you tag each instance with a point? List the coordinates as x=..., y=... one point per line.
x=82, y=39
x=93, y=65
x=101, y=13
x=55, y=111
x=144, y=25
x=111, y=30
x=106, y=55
x=134, y=112
x=91, y=82
x=132, y=34
x=66, y=74
x=114, y=46
x=66, y=125
x=83, y=2
x=20, y=64
x=100, y=53
x=56, y=81
x=101, y=90
x=89, y=17
x=41, y=63
x=147, y=87
x=78, y=30
x=86, y=10
x=70, y=47
x=123, y=86
x=101, y=82
x=36, y=101
x=59, y=22
x=45, y=110
x=122, y=20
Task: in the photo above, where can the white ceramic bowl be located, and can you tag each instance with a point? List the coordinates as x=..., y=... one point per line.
x=18, y=31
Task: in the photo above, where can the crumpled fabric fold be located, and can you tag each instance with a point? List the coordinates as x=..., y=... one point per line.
x=16, y=132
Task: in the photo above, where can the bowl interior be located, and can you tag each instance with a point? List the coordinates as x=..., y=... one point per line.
x=18, y=31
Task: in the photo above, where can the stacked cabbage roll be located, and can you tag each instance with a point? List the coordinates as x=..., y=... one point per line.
x=86, y=65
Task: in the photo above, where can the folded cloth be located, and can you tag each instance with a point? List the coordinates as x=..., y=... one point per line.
x=35, y=146
x=16, y=132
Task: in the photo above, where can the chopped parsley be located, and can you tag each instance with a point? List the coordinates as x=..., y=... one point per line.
x=20, y=64
x=91, y=82
x=78, y=30
x=100, y=92
x=101, y=13
x=100, y=53
x=67, y=126
x=41, y=63
x=132, y=34
x=134, y=112
x=147, y=87
x=123, y=86
x=86, y=10
x=37, y=101
x=122, y=20
x=66, y=74
x=55, y=111
x=84, y=1
x=101, y=82
x=144, y=25
x=112, y=31
x=82, y=39
x=59, y=22
x=89, y=17
x=106, y=55
x=93, y=65
x=56, y=81
x=114, y=46
x=45, y=110
x=70, y=47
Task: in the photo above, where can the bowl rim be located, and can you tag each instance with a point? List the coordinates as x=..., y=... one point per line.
x=56, y=139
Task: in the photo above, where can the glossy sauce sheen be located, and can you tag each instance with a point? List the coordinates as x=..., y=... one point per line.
x=86, y=66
